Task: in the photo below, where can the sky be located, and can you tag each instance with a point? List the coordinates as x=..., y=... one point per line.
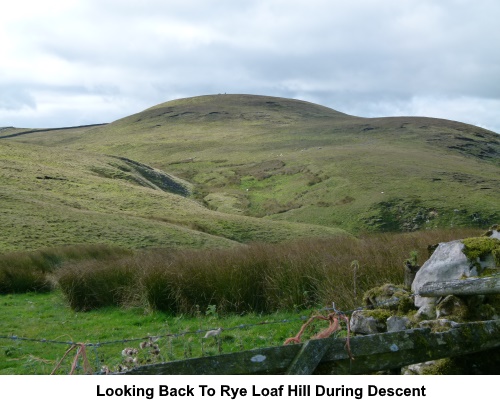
x=78, y=62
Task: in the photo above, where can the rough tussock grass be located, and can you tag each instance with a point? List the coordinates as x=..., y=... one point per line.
x=259, y=277
x=33, y=271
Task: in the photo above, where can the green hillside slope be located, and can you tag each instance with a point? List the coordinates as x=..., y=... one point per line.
x=50, y=196
x=254, y=157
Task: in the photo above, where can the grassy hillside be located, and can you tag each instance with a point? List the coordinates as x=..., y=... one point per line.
x=231, y=165
x=50, y=196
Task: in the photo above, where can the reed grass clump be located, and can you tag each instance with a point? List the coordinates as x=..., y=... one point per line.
x=32, y=270
x=294, y=275
x=23, y=280
x=258, y=277
x=231, y=279
x=95, y=284
x=158, y=283
x=22, y=272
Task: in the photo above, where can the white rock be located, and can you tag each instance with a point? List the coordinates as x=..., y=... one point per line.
x=365, y=324
x=448, y=262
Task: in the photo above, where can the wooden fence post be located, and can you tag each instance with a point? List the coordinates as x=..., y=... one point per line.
x=309, y=357
x=410, y=271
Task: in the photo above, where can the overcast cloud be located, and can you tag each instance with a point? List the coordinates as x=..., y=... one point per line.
x=75, y=62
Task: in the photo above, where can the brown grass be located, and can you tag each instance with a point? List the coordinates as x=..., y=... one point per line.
x=253, y=278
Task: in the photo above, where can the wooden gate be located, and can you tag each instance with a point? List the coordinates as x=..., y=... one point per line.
x=381, y=351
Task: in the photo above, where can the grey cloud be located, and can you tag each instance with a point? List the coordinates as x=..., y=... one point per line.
x=363, y=57
x=15, y=98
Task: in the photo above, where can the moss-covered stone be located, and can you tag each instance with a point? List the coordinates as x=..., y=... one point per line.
x=490, y=272
x=388, y=296
x=478, y=248
x=452, y=308
x=485, y=363
x=378, y=314
x=367, y=322
x=483, y=308
x=485, y=312
x=496, y=255
x=441, y=367
x=406, y=304
x=491, y=230
x=477, y=363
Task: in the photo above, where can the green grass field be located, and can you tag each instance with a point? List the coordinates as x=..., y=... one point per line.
x=49, y=323
x=111, y=299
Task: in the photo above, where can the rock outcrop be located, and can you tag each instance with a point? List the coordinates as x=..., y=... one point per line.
x=456, y=260
x=391, y=308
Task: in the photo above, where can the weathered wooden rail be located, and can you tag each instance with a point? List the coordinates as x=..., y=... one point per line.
x=382, y=351
x=369, y=353
x=468, y=286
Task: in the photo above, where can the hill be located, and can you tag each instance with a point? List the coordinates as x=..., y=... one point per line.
x=254, y=160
